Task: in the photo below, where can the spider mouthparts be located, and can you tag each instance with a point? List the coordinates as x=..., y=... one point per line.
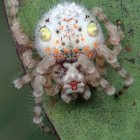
x=74, y=85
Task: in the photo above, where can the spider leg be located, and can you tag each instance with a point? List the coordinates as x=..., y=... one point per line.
x=39, y=81
x=46, y=67
x=111, y=59
x=115, y=37
x=87, y=93
x=89, y=68
x=27, y=59
x=53, y=81
x=50, y=87
x=23, y=80
x=38, y=91
x=92, y=80
x=42, y=67
x=65, y=97
x=23, y=40
x=20, y=37
x=100, y=64
x=45, y=64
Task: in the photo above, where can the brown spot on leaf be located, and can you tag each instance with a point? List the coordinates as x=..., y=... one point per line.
x=133, y=103
x=52, y=103
x=128, y=49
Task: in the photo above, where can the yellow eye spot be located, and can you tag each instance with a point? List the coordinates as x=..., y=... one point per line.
x=92, y=29
x=45, y=34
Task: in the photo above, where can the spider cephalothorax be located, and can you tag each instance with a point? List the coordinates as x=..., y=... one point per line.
x=71, y=45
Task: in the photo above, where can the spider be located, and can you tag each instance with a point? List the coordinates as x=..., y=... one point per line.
x=72, y=50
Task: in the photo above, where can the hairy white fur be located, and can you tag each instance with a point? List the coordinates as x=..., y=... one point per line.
x=56, y=15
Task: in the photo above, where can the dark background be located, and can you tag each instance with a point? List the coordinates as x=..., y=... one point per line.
x=16, y=106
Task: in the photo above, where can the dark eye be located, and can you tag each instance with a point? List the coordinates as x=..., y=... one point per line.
x=77, y=41
x=79, y=29
x=63, y=43
x=57, y=31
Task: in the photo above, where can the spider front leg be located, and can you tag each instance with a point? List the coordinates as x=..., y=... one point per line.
x=87, y=93
x=41, y=68
x=65, y=97
x=111, y=59
x=38, y=83
x=95, y=78
x=38, y=92
x=50, y=87
x=18, y=83
x=27, y=59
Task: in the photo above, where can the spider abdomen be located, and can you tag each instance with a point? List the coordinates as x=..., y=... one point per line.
x=67, y=31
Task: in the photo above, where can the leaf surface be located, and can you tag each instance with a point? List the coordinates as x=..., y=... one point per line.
x=102, y=117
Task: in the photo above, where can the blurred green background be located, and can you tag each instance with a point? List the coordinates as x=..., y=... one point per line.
x=16, y=106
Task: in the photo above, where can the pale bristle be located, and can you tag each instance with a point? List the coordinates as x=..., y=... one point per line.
x=111, y=91
x=17, y=83
x=37, y=120
x=128, y=81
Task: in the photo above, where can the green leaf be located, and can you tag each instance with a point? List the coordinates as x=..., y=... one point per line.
x=102, y=117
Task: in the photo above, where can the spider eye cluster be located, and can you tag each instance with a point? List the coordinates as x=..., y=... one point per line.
x=92, y=29
x=45, y=34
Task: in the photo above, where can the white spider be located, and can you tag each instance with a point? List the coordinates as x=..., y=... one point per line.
x=69, y=40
